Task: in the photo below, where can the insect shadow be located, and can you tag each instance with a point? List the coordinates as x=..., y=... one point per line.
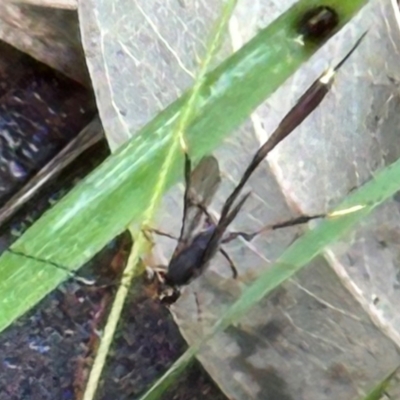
x=201, y=238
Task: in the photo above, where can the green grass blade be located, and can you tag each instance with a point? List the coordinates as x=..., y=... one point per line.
x=379, y=390
x=141, y=242
x=119, y=190
x=301, y=252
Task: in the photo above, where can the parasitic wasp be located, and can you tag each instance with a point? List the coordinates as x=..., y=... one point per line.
x=201, y=237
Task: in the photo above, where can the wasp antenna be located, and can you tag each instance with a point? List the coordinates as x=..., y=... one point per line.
x=348, y=55
x=328, y=76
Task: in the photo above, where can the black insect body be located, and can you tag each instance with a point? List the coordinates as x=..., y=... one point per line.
x=200, y=240
x=318, y=23
x=190, y=261
x=186, y=264
x=198, y=226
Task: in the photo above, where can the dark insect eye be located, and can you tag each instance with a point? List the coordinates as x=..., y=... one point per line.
x=318, y=23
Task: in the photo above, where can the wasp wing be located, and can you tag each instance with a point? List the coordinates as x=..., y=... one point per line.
x=201, y=185
x=216, y=237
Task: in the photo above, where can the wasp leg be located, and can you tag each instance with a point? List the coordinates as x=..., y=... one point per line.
x=169, y=298
x=148, y=231
x=199, y=317
x=72, y=274
x=292, y=222
x=230, y=261
x=210, y=219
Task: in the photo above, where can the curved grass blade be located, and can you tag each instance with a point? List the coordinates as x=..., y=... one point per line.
x=378, y=392
x=364, y=200
x=141, y=242
x=119, y=190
